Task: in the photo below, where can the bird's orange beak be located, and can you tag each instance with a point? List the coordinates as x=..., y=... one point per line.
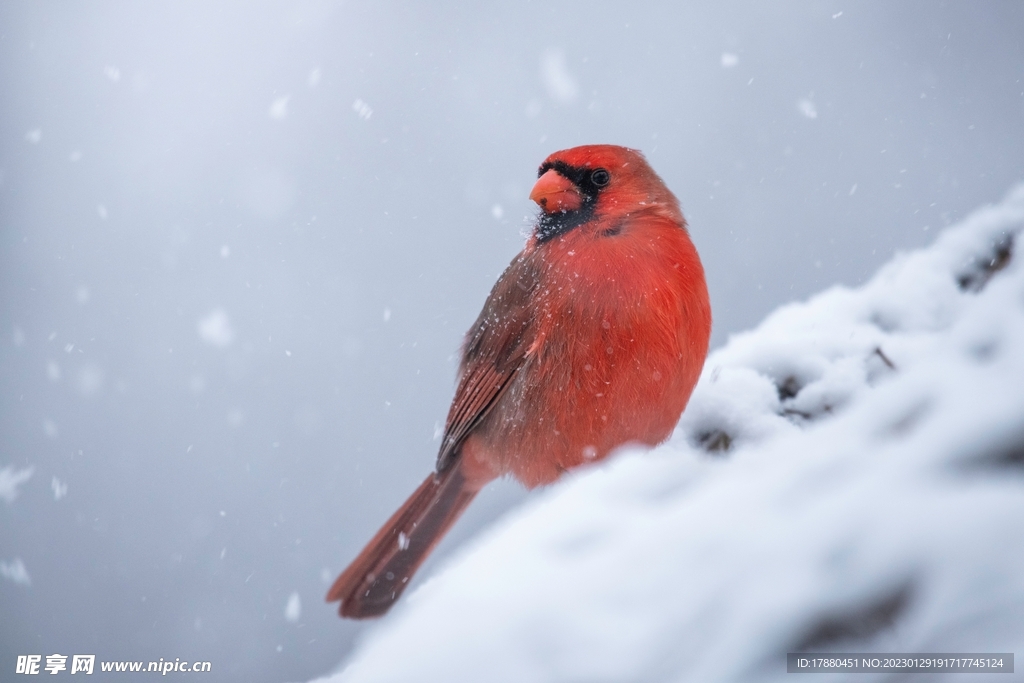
x=554, y=192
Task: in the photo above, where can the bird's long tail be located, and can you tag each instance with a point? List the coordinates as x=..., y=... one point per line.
x=375, y=579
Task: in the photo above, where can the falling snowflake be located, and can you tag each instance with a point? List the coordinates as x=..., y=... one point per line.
x=362, y=109
x=293, y=610
x=556, y=77
x=279, y=108
x=807, y=108
x=215, y=329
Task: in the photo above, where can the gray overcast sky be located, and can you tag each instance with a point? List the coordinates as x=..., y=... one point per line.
x=241, y=242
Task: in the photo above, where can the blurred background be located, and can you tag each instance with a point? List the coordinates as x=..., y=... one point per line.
x=241, y=242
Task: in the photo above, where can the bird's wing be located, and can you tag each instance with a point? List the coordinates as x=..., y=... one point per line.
x=495, y=348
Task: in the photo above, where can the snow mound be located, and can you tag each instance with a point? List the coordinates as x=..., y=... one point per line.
x=848, y=476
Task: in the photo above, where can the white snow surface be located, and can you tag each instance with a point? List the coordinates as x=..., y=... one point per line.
x=870, y=499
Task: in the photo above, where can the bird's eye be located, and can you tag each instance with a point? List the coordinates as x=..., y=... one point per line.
x=600, y=177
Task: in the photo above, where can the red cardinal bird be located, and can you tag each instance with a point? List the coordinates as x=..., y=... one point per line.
x=592, y=338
